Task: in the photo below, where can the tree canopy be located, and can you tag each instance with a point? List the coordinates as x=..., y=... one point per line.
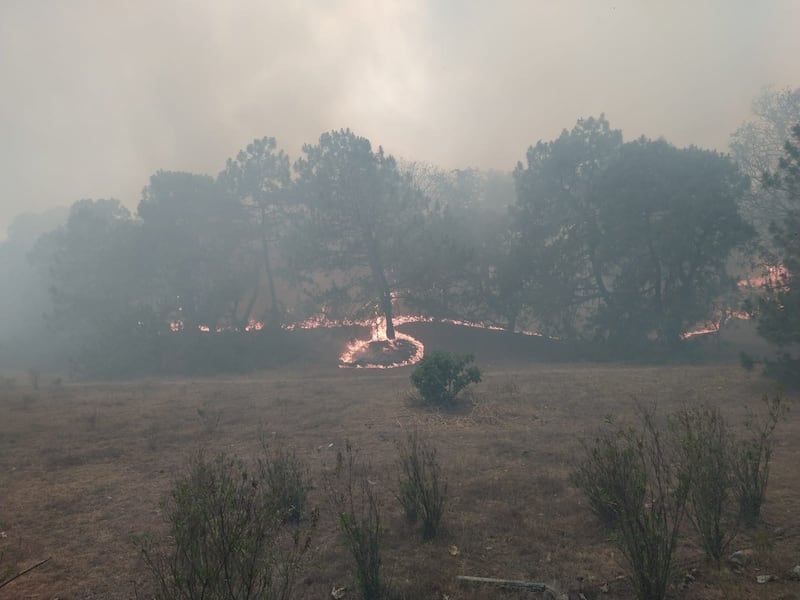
x=362, y=215
x=96, y=278
x=778, y=310
x=259, y=178
x=592, y=239
x=626, y=242
x=757, y=146
x=195, y=241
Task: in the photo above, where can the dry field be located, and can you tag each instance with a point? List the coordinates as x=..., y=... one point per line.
x=83, y=467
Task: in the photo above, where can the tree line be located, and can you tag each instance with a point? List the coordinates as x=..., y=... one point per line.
x=591, y=239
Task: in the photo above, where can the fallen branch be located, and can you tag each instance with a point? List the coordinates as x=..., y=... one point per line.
x=21, y=573
x=512, y=583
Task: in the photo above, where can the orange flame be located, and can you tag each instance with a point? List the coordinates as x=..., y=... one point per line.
x=773, y=275
x=349, y=357
x=253, y=325
x=404, y=343
x=714, y=326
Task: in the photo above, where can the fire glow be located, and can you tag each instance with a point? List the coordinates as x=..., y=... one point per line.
x=364, y=354
x=715, y=325
x=773, y=275
x=379, y=352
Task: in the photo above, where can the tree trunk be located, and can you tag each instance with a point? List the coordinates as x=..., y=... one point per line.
x=245, y=320
x=273, y=298
x=376, y=265
x=511, y=326
x=386, y=306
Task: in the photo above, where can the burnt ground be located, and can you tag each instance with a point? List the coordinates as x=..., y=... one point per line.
x=84, y=465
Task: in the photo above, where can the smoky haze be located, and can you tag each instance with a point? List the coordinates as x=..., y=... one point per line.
x=99, y=95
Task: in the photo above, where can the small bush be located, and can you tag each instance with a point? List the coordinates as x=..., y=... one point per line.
x=440, y=376
x=752, y=458
x=226, y=539
x=610, y=472
x=358, y=511
x=423, y=489
x=632, y=475
x=408, y=500
x=708, y=446
x=286, y=478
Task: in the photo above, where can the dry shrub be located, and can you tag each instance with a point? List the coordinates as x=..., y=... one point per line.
x=752, y=457
x=423, y=488
x=227, y=537
x=640, y=488
x=709, y=447
x=358, y=511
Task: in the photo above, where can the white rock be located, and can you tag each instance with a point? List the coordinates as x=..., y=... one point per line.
x=740, y=558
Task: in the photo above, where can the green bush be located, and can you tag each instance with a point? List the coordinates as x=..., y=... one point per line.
x=226, y=538
x=440, y=376
x=423, y=490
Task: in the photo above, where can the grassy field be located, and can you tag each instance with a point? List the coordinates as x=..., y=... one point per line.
x=83, y=467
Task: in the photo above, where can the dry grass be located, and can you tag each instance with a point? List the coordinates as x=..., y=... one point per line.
x=84, y=466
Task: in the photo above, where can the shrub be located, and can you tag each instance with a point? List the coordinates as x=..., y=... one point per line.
x=440, y=376
x=226, y=536
x=635, y=478
x=708, y=446
x=285, y=476
x=610, y=471
x=423, y=489
x=359, y=521
x=752, y=457
x=408, y=500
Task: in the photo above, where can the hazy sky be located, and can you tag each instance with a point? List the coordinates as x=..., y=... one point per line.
x=95, y=96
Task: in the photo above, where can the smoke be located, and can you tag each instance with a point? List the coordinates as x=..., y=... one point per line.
x=98, y=95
